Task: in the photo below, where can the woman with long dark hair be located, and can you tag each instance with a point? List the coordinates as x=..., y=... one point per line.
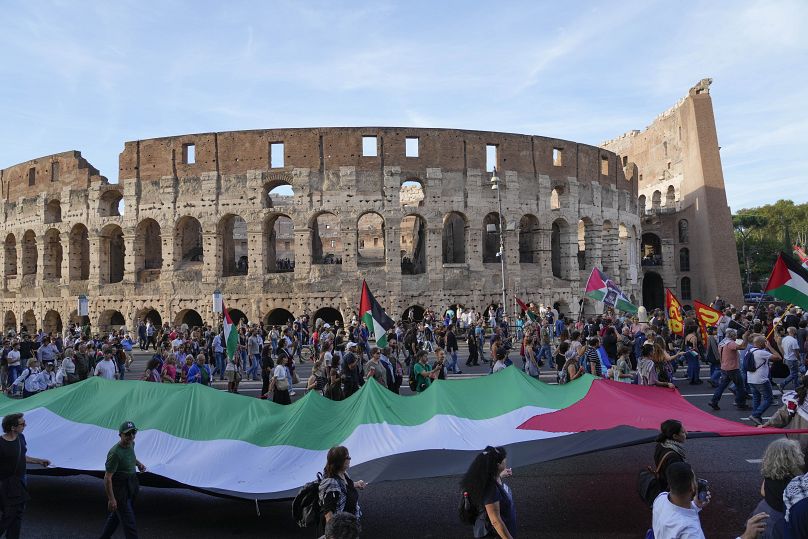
x=670, y=447
x=338, y=492
x=484, y=486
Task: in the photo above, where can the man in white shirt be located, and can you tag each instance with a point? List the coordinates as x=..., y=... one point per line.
x=759, y=378
x=106, y=368
x=791, y=355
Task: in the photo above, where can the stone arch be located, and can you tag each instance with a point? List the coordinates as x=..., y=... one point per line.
x=653, y=291
x=670, y=197
x=329, y=315
x=656, y=200
x=111, y=320
x=109, y=203
x=651, y=250
x=562, y=307
x=52, y=260
x=412, y=193
x=79, y=253
x=52, y=323
x=684, y=231
x=278, y=194
x=189, y=317
x=113, y=254
x=684, y=259
x=10, y=249
x=326, y=240
x=370, y=244
x=608, y=254
x=30, y=253
x=455, y=233
x=237, y=315
x=148, y=250
x=150, y=314
x=10, y=321
x=687, y=293
x=555, y=198
x=491, y=230
x=586, y=244
x=529, y=240
x=413, y=313
x=29, y=322
x=278, y=317
x=413, y=244
x=641, y=205
x=188, y=244
x=79, y=321
x=53, y=211
x=279, y=251
x=558, y=234
x=233, y=235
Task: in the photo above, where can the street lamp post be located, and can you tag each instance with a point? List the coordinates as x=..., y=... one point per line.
x=501, y=254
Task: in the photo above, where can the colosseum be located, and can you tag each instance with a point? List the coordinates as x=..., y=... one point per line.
x=291, y=220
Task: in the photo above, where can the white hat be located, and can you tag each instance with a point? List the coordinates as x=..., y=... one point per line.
x=350, y=345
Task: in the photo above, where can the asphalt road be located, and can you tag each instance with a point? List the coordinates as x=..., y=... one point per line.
x=579, y=497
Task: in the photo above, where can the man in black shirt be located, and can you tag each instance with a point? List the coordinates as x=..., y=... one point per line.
x=27, y=349
x=13, y=493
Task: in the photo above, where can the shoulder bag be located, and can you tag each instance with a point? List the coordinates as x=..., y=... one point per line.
x=648, y=481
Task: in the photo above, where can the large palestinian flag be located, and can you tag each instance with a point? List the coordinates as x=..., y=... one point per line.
x=374, y=316
x=189, y=433
x=789, y=281
x=600, y=288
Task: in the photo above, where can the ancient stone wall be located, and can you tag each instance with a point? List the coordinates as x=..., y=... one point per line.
x=201, y=214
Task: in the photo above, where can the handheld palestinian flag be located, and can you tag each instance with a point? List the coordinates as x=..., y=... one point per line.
x=800, y=252
x=280, y=448
x=530, y=314
x=789, y=281
x=230, y=333
x=600, y=288
x=374, y=316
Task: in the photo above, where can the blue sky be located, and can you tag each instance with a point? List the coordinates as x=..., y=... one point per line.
x=91, y=75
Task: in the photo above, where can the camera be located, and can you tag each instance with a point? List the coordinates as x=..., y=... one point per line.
x=703, y=489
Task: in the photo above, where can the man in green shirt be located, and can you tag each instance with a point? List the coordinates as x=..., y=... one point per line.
x=423, y=371
x=121, y=484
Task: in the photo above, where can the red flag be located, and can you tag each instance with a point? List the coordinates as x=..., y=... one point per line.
x=675, y=321
x=707, y=317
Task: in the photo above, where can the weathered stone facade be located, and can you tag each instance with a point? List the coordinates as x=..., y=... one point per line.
x=686, y=223
x=199, y=216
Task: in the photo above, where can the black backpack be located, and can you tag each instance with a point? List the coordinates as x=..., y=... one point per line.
x=467, y=511
x=749, y=364
x=306, y=507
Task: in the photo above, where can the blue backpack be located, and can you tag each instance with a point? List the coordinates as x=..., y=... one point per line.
x=749, y=364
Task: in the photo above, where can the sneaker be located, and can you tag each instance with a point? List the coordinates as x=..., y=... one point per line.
x=292, y=393
x=459, y=372
x=756, y=420
x=713, y=405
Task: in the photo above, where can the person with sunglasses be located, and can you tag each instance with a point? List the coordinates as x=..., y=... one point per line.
x=121, y=483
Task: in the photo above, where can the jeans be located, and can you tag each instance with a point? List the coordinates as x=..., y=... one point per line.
x=252, y=372
x=14, y=372
x=726, y=378
x=125, y=515
x=12, y=520
x=544, y=351
x=121, y=370
x=452, y=366
x=715, y=373
x=761, y=398
x=693, y=367
x=220, y=364
x=794, y=374
x=275, y=347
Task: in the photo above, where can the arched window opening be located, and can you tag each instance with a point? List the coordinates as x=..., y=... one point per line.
x=190, y=318
x=454, y=238
x=278, y=317
x=329, y=315
x=491, y=228
x=684, y=233
x=111, y=320
x=411, y=194
x=151, y=315
x=188, y=245
x=279, y=251
x=148, y=251
x=278, y=195
x=326, y=241
x=109, y=204
x=28, y=323
x=30, y=253
x=586, y=244
x=233, y=234
x=53, y=212
x=653, y=291
x=10, y=321
x=79, y=253
x=10, y=249
x=413, y=314
x=670, y=197
x=53, y=255
x=113, y=254
x=413, y=245
x=559, y=229
x=684, y=259
x=656, y=200
x=52, y=323
x=641, y=205
x=370, y=239
x=651, y=250
x=686, y=293
x=555, y=199
x=529, y=240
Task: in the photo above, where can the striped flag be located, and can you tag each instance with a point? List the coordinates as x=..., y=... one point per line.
x=600, y=288
x=800, y=252
x=374, y=316
x=230, y=333
x=530, y=314
x=789, y=281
